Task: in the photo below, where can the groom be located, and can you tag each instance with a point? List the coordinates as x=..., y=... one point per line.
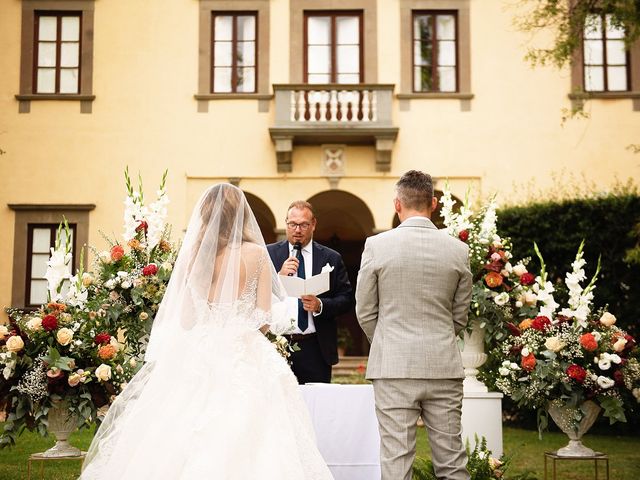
x=316, y=329
x=412, y=298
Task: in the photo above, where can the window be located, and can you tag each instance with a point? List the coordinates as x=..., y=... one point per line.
x=57, y=62
x=605, y=56
x=333, y=47
x=234, y=52
x=40, y=239
x=435, y=52
x=34, y=234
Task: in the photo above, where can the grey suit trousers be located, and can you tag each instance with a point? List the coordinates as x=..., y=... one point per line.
x=399, y=403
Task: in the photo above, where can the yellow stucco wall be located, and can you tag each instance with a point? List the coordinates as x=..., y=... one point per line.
x=145, y=116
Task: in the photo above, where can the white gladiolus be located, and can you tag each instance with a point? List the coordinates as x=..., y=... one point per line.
x=519, y=269
x=58, y=268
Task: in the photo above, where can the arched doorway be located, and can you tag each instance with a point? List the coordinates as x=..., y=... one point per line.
x=344, y=222
x=264, y=217
x=437, y=220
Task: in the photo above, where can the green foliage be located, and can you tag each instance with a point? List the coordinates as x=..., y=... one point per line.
x=605, y=223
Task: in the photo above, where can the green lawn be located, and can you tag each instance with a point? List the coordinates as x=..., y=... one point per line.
x=523, y=445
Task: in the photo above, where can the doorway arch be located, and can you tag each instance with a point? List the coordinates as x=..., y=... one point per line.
x=344, y=223
x=264, y=216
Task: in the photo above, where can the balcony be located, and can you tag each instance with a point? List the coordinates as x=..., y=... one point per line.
x=311, y=114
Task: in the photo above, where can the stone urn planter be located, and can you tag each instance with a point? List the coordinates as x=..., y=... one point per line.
x=565, y=418
x=473, y=357
x=61, y=425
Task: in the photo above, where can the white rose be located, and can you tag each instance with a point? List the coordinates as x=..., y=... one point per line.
x=87, y=279
x=607, y=319
x=122, y=274
x=64, y=336
x=605, y=382
x=110, y=284
x=126, y=284
x=15, y=343
x=103, y=372
x=504, y=371
x=524, y=352
x=105, y=257
x=4, y=331
x=35, y=324
x=166, y=266
x=554, y=344
x=519, y=269
x=530, y=298
x=620, y=344
x=604, y=363
x=615, y=358
x=515, y=366
x=518, y=304
x=74, y=379
x=501, y=299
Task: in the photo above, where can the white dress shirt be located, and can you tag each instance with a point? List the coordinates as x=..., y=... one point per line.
x=307, y=255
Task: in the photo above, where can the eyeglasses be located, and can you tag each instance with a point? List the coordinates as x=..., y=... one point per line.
x=303, y=226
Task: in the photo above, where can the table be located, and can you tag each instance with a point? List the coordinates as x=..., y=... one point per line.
x=346, y=428
x=596, y=457
x=39, y=457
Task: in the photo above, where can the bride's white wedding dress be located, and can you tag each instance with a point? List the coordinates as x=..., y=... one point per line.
x=218, y=403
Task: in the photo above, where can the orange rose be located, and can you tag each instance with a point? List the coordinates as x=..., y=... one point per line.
x=135, y=244
x=493, y=279
x=117, y=252
x=56, y=307
x=526, y=323
x=529, y=362
x=107, y=352
x=588, y=342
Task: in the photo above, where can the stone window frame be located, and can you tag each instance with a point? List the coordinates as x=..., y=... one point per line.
x=369, y=46
x=26, y=94
x=52, y=227
x=263, y=90
x=462, y=8
x=578, y=95
x=42, y=214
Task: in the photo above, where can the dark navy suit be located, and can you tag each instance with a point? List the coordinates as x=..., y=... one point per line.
x=321, y=349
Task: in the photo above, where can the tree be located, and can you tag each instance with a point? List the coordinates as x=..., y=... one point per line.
x=567, y=18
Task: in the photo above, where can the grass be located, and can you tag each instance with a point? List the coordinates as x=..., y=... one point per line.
x=523, y=445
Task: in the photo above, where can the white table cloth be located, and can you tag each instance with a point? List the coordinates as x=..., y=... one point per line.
x=346, y=428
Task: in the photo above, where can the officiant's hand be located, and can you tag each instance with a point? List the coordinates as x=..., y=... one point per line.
x=289, y=267
x=311, y=303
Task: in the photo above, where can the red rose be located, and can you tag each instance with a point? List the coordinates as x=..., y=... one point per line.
x=588, y=342
x=493, y=279
x=513, y=330
x=117, y=252
x=527, y=278
x=577, y=373
x=529, y=362
x=540, y=323
x=630, y=342
x=150, y=269
x=618, y=377
x=464, y=235
x=49, y=322
x=142, y=226
x=102, y=338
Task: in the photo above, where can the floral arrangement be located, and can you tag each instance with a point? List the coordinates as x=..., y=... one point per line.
x=495, y=279
x=89, y=339
x=568, y=355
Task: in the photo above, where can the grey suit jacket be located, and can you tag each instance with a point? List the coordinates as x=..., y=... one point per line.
x=412, y=299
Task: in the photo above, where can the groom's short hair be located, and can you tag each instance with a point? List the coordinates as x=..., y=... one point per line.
x=301, y=205
x=415, y=190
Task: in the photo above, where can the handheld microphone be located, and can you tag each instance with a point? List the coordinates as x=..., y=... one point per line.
x=297, y=246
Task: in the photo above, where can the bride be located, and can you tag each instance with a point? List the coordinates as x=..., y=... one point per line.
x=214, y=399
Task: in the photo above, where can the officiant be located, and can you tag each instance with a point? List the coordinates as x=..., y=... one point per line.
x=316, y=328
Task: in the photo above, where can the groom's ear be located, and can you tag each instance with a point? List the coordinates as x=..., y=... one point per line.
x=397, y=205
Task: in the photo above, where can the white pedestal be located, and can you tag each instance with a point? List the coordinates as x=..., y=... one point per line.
x=482, y=416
